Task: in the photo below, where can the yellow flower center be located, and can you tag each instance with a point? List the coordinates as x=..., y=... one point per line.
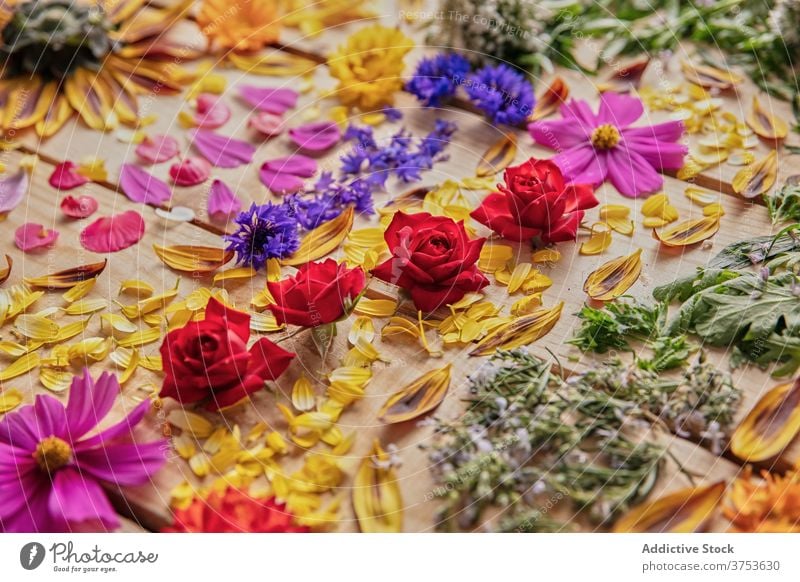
x=52, y=453
x=605, y=136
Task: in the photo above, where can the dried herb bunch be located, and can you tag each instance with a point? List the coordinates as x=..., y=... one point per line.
x=529, y=441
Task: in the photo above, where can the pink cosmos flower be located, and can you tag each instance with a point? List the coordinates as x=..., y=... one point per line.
x=593, y=148
x=52, y=469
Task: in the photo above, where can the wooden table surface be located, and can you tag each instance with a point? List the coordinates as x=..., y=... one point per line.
x=149, y=505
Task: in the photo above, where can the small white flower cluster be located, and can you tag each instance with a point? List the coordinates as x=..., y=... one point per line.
x=784, y=21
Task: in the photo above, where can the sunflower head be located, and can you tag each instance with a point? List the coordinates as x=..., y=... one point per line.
x=52, y=39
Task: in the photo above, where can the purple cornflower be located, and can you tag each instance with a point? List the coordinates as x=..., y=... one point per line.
x=54, y=463
x=436, y=78
x=265, y=232
x=502, y=93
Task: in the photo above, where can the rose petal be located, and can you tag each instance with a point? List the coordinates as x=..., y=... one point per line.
x=297, y=165
x=140, y=186
x=222, y=200
x=279, y=182
x=269, y=99
x=158, y=148
x=65, y=176
x=211, y=112
x=110, y=234
x=220, y=150
x=267, y=123
x=12, y=190
x=31, y=236
x=190, y=171
x=80, y=207
x=316, y=137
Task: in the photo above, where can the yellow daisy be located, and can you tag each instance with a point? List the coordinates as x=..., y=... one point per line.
x=240, y=25
x=369, y=67
x=91, y=57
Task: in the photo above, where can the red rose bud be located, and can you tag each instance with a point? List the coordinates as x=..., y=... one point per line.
x=317, y=294
x=210, y=359
x=432, y=258
x=535, y=203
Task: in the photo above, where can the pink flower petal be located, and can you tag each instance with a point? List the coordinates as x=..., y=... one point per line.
x=66, y=177
x=267, y=123
x=269, y=99
x=297, y=164
x=190, y=171
x=220, y=150
x=158, y=148
x=140, y=186
x=222, y=200
x=80, y=207
x=212, y=112
x=316, y=137
x=279, y=182
x=12, y=190
x=110, y=234
x=31, y=236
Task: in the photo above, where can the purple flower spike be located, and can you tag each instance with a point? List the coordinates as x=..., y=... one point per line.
x=222, y=151
x=270, y=99
x=316, y=137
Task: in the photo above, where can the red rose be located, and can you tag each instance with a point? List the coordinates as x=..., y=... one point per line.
x=433, y=259
x=534, y=202
x=317, y=294
x=210, y=359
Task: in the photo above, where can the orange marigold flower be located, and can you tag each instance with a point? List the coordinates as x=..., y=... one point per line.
x=240, y=25
x=768, y=506
x=234, y=511
x=369, y=66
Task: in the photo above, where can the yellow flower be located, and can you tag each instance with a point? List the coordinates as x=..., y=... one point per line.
x=369, y=66
x=240, y=25
x=312, y=17
x=770, y=506
x=116, y=53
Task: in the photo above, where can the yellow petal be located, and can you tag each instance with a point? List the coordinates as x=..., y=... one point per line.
x=55, y=380
x=9, y=400
x=68, y=278
x=614, y=278
x=520, y=332
x=5, y=272
x=684, y=511
x=362, y=328
x=498, y=157
x=599, y=241
x=84, y=306
x=118, y=323
x=494, y=257
x=78, y=291
x=553, y=97
x=546, y=256
x=235, y=274
x=193, y=259
x=303, y=394
x=765, y=124
x=376, y=307
x=136, y=287
x=322, y=240
x=36, y=327
x=140, y=338
x=758, y=177
x=21, y=366
x=192, y=423
x=518, y=276
x=376, y=494
x=770, y=426
x=710, y=77
x=418, y=398
x=689, y=232
x=701, y=196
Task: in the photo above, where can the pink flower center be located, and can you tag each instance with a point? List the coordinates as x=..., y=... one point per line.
x=605, y=137
x=52, y=453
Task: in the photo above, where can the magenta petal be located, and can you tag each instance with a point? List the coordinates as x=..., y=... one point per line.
x=140, y=186
x=31, y=236
x=316, y=137
x=124, y=463
x=212, y=112
x=190, y=172
x=631, y=174
x=80, y=207
x=65, y=177
x=222, y=200
x=266, y=123
x=90, y=402
x=110, y=234
x=297, y=165
x=280, y=182
x=12, y=190
x=158, y=148
x=78, y=499
x=269, y=99
x=619, y=110
x=220, y=150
